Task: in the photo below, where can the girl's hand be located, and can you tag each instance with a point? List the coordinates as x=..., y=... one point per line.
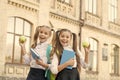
x=87, y=49
x=66, y=64
x=23, y=49
x=22, y=44
x=70, y=62
x=39, y=62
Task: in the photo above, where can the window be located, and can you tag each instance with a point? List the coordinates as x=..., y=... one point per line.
x=16, y=28
x=91, y=6
x=115, y=60
x=105, y=52
x=93, y=59
x=113, y=7
x=66, y=1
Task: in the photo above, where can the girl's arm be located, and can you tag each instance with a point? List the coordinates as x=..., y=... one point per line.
x=84, y=60
x=23, y=50
x=87, y=50
x=55, y=68
x=54, y=64
x=66, y=64
x=26, y=56
x=40, y=62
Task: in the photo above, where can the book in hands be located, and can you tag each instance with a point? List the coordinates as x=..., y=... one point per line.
x=67, y=55
x=34, y=54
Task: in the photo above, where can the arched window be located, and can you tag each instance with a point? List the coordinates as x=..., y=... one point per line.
x=93, y=55
x=115, y=60
x=16, y=28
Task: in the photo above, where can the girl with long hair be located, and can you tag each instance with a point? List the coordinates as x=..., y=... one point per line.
x=41, y=41
x=63, y=42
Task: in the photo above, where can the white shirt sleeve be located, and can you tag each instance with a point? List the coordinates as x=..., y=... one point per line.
x=54, y=64
x=27, y=59
x=83, y=63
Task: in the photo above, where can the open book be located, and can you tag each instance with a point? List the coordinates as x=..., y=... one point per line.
x=67, y=55
x=34, y=54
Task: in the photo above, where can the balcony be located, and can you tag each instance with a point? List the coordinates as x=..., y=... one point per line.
x=14, y=70
x=92, y=20
x=114, y=28
x=64, y=9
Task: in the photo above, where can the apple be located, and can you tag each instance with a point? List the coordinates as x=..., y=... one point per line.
x=22, y=39
x=85, y=44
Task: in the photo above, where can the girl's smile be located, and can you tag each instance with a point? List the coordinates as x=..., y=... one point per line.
x=65, y=38
x=44, y=34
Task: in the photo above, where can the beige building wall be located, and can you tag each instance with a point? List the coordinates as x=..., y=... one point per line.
x=24, y=10
x=37, y=12
x=3, y=19
x=59, y=15
x=105, y=32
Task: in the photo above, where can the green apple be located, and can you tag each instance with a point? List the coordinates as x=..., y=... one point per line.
x=22, y=39
x=85, y=44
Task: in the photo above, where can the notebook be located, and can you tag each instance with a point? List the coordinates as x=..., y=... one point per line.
x=35, y=55
x=67, y=55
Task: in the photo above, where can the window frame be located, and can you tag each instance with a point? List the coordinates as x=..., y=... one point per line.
x=15, y=43
x=114, y=60
x=64, y=1
x=94, y=50
x=90, y=5
x=113, y=9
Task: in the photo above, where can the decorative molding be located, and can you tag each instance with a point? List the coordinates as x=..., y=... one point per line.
x=16, y=69
x=114, y=27
x=20, y=5
x=19, y=70
x=92, y=19
x=65, y=19
x=62, y=7
x=95, y=22
x=63, y=2
x=11, y=70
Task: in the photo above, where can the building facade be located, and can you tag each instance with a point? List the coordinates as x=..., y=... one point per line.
x=96, y=21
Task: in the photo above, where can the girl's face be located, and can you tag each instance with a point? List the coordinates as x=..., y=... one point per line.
x=65, y=38
x=44, y=34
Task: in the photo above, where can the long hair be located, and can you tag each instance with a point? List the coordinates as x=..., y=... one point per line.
x=58, y=49
x=36, y=35
x=35, y=38
x=75, y=49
